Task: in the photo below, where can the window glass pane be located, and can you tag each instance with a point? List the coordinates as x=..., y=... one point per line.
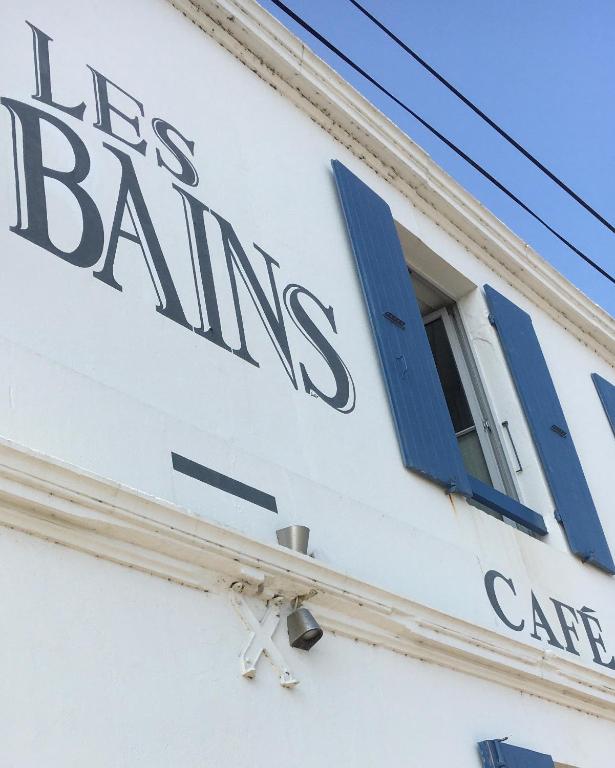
x=473, y=456
x=457, y=402
x=449, y=375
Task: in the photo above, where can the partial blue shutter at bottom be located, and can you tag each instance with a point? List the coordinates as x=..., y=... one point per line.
x=606, y=391
x=500, y=754
x=424, y=428
x=574, y=505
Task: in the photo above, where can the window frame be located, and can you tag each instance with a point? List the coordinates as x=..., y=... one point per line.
x=470, y=381
x=491, y=499
x=425, y=434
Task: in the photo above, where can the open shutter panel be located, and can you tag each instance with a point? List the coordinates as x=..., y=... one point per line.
x=573, y=501
x=424, y=428
x=500, y=754
x=606, y=391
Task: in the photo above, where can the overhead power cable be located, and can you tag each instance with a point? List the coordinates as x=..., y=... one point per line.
x=513, y=142
x=440, y=136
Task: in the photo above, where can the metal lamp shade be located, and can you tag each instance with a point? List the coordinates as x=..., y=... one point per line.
x=303, y=629
x=294, y=537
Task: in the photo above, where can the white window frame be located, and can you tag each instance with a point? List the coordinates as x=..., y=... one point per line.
x=481, y=422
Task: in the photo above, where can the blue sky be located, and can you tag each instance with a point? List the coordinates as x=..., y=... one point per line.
x=544, y=71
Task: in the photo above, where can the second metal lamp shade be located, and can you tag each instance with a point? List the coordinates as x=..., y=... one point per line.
x=303, y=629
x=294, y=537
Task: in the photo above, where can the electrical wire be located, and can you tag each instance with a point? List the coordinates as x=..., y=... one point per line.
x=513, y=142
x=289, y=12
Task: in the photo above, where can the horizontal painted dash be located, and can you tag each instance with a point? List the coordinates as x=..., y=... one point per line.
x=224, y=483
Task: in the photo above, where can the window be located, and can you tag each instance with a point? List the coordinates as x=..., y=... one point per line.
x=427, y=438
x=473, y=422
x=451, y=370
x=425, y=431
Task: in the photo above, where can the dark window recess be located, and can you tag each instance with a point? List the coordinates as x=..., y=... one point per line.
x=493, y=489
x=457, y=402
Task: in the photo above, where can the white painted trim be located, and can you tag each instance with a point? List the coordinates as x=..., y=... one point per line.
x=62, y=504
x=271, y=51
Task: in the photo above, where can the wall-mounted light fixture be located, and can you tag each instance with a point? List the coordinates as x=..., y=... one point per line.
x=303, y=629
x=294, y=537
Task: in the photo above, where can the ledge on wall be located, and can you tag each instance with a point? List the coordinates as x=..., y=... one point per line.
x=65, y=505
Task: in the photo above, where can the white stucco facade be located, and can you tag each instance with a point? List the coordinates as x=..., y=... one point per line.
x=120, y=643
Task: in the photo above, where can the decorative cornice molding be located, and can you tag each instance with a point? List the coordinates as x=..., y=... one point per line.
x=273, y=53
x=53, y=501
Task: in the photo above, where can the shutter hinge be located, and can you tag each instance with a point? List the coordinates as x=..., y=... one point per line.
x=491, y=319
x=500, y=759
x=486, y=425
x=557, y=516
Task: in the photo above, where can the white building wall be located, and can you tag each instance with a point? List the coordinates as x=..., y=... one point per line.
x=106, y=666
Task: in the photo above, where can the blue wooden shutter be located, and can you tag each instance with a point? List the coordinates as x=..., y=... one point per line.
x=606, y=390
x=564, y=474
x=424, y=428
x=500, y=754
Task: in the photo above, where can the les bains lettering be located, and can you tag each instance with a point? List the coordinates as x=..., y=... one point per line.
x=32, y=172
